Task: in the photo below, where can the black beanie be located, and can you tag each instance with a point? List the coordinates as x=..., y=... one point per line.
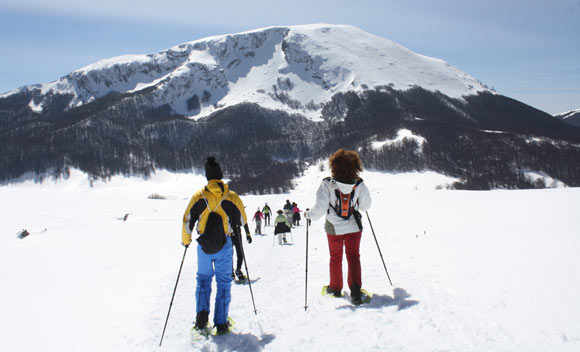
x=212, y=169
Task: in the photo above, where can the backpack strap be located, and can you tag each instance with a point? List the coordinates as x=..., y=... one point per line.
x=220, y=202
x=343, y=205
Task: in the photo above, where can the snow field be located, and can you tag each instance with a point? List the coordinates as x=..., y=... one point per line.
x=471, y=271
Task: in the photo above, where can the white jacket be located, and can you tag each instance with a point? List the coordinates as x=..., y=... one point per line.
x=325, y=196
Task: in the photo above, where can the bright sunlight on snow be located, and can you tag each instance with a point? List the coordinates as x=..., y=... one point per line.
x=471, y=271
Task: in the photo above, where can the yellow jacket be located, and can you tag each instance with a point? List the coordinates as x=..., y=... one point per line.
x=231, y=209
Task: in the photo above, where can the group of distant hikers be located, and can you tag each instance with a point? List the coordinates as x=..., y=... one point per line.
x=284, y=221
x=219, y=214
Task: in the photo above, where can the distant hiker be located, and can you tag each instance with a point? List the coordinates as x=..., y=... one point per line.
x=267, y=211
x=282, y=227
x=295, y=215
x=258, y=216
x=216, y=210
x=341, y=197
x=306, y=216
x=288, y=211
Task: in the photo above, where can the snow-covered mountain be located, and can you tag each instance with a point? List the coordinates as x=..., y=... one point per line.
x=571, y=117
x=296, y=69
x=269, y=102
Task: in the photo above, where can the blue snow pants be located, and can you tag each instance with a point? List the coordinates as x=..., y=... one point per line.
x=219, y=264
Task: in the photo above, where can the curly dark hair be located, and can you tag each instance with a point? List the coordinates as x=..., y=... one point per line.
x=345, y=166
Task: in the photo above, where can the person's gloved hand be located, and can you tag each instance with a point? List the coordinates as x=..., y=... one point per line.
x=249, y=238
x=185, y=245
x=186, y=240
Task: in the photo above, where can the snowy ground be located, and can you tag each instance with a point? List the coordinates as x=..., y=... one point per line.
x=471, y=271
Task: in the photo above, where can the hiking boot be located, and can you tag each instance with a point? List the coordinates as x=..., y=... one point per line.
x=201, y=319
x=240, y=275
x=223, y=328
x=335, y=293
x=355, y=294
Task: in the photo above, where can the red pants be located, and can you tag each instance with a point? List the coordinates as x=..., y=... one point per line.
x=351, y=242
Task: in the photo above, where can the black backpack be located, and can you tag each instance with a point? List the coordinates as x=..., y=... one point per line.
x=213, y=239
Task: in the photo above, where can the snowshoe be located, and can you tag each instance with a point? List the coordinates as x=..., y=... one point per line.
x=201, y=328
x=240, y=275
x=327, y=291
x=222, y=329
x=201, y=333
x=219, y=329
x=364, y=298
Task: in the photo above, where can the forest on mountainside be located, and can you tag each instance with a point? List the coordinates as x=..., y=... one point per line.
x=487, y=140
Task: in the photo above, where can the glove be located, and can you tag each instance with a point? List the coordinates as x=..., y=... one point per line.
x=186, y=240
x=185, y=245
x=249, y=238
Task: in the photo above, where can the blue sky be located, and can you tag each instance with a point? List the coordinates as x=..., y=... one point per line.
x=526, y=49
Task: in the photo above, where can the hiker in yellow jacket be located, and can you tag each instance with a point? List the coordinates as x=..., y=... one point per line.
x=216, y=210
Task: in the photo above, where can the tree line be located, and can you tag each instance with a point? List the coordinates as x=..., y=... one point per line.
x=487, y=141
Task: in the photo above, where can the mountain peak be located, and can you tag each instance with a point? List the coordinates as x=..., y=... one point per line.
x=292, y=68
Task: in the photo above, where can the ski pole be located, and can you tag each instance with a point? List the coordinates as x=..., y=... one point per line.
x=246, y=266
x=175, y=289
x=306, y=280
x=379, y=248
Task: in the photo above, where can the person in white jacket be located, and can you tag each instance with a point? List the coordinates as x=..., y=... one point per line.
x=342, y=197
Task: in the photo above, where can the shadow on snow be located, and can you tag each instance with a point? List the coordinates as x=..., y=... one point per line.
x=240, y=342
x=399, y=300
x=245, y=283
